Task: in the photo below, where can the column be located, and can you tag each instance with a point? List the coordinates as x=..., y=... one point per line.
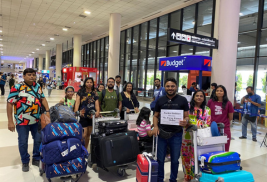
x=40, y=66
x=114, y=44
x=47, y=60
x=34, y=63
x=77, y=48
x=58, y=61
x=226, y=31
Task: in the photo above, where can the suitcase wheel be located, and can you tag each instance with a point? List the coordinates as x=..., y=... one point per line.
x=121, y=172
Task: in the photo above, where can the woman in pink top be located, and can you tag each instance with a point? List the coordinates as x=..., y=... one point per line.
x=144, y=125
x=222, y=111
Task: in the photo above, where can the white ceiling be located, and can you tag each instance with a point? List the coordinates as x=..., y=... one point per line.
x=26, y=24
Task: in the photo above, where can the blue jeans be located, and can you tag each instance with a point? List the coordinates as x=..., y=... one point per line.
x=23, y=132
x=175, y=144
x=253, y=127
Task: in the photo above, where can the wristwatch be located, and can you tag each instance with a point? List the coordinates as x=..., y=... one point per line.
x=47, y=111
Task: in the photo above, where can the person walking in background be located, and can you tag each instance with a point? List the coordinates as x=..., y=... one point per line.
x=49, y=86
x=41, y=83
x=158, y=92
x=193, y=87
x=222, y=111
x=251, y=104
x=11, y=81
x=44, y=81
x=118, y=86
x=26, y=115
x=213, y=88
x=2, y=83
x=129, y=99
x=199, y=115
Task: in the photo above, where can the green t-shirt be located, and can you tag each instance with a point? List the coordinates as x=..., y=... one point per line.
x=110, y=101
x=69, y=102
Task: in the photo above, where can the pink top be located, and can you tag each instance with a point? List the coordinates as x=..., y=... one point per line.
x=220, y=115
x=143, y=128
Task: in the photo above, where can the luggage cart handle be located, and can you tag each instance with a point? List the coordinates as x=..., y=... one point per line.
x=191, y=128
x=155, y=147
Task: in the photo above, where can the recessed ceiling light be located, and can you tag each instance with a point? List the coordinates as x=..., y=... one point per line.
x=29, y=54
x=52, y=38
x=64, y=29
x=43, y=44
x=1, y=45
x=33, y=52
x=37, y=49
x=87, y=12
x=1, y=31
x=1, y=39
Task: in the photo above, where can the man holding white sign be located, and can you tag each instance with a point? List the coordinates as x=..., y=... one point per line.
x=171, y=115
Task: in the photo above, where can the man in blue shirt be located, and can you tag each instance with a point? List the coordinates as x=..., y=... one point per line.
x=44, y=80
x=2, y=83
x=251, y=104
x=193, y=88
x=158, y=92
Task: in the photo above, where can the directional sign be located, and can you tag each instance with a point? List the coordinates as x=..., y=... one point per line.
x=192, y=39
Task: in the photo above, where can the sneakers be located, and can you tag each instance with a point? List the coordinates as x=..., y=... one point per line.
x=242, y=137
x=25, y=167
x=35, y=162
x=254, y=140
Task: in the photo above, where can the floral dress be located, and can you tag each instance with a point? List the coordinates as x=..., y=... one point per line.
x=187, y=150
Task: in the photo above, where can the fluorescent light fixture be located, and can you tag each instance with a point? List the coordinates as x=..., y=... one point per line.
x=43, y=44
x=174, y=51
x=191, y=49
x=52, y=38
x=64, y=29
x=87, y=12
x=1, y=31
x=1, y=39
x=37, y=49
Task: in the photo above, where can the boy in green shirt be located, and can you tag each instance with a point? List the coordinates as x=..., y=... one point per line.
x=110, y=100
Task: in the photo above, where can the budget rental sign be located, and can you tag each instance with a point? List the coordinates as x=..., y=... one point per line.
x=203, y=63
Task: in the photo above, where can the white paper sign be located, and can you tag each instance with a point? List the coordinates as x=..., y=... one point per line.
x=171, y=117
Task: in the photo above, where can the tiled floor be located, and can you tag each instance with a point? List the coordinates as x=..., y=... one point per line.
x=254, y=158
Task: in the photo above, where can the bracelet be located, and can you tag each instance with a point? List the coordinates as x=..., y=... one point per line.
x=47, y=111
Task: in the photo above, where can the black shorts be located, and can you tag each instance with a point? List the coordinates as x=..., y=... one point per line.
x=85, y=122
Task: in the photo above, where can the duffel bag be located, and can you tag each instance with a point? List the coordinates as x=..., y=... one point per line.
x=70, y=167
x=111, y=127
x=220, y=162
x=62, y=114
x=60, y=151
x=60, y=131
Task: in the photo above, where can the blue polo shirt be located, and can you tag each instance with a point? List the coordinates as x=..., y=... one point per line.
x=2, y=82
x=251, y=107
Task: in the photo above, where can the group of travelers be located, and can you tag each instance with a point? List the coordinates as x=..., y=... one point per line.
x=171, y=138
x=48, y=84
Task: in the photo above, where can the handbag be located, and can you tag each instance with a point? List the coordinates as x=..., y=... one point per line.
x=204, y=132
x=250, y=118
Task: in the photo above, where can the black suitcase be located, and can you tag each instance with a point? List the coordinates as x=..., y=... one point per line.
x=111, y=127
x=114, y=150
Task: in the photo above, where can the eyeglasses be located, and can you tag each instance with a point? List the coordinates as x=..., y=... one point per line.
x=110, y=81
x=70, y=92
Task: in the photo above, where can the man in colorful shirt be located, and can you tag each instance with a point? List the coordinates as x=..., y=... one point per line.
x=27, y=98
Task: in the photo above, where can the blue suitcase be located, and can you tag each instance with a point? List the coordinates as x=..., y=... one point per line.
x=238, y=176
x=67, y=168
x=60, y=131
x=220, y=162
x=60, y=151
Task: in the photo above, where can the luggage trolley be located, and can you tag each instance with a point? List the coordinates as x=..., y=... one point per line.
x=109, y=116
x=205, y=145
x=131, y=118
x=63, y=178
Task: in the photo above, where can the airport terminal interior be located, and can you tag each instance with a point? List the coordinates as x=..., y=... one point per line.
x=196, y=42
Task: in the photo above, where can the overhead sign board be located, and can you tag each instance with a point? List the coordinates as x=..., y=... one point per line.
x=191, y=39
x=194, y=62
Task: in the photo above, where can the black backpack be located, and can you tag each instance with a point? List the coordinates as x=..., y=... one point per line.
x=104, y=94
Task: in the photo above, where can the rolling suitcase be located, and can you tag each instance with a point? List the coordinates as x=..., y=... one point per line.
x=147, y=167
x=114, y=150
x=220, y=162
x=238, y=176
x=111, y=127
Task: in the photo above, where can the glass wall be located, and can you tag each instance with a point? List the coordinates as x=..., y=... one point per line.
x=95, y=55
x=251, y=53
x=67, y=58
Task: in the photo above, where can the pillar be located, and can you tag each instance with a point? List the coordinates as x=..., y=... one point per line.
x=34, y=63
x=47, y=60
x=114, y=44
x=77, y=48
x=58, y=62
x=40, y=66
x=226, y=31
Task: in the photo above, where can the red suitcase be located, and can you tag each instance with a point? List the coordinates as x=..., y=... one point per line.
x=147, y=167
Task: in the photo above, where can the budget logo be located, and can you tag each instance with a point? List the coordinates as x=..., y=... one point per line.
x=207, y=62
x=163, y=63
x=175, y=63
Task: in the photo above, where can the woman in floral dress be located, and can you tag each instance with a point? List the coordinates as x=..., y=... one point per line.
x=199, y=114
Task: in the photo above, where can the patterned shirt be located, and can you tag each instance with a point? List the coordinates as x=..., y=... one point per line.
x=196, y=118
x=143, y=128
x=27, y=104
